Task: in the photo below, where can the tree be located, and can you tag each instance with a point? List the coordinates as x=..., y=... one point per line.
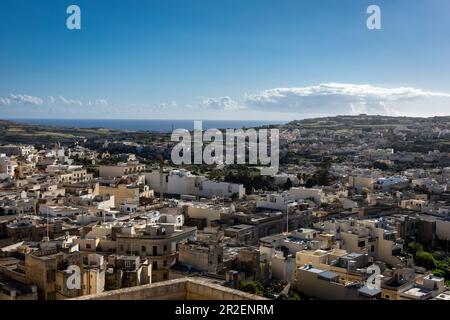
x=252, y=287
x=310, y=183
x=414, y=247
x=439, y=273
x=287, y=185
x=380, y=165
x=322, y=175
x=425, y=259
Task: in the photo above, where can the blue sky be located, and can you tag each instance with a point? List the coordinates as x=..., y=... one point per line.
x=223, y=59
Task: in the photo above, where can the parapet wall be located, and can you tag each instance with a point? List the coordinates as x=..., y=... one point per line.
x=204, y=290
x=177, y=289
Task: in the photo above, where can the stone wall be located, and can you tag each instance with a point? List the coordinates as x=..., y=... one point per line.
x=177, y=289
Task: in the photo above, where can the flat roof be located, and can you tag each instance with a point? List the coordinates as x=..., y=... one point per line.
x=417, y=291
x=443, y=296
x=314, y=270
x=328, y=275
x=352, y=255
x=371, y=292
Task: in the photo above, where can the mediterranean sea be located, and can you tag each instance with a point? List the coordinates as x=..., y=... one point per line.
x=146, y=125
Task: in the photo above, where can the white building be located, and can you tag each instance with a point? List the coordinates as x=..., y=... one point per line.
x=429, y=184
x=316, y=195
x=7, y=166
x=414, y=205
x=387, y=184
x=183, y=182
x=204, y=211
x=16, y=150
x=277, y=201
x=60, y=211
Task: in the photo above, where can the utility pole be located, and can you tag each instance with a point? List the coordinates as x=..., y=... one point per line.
x=287, y=219
x=47, y=227
x=161, y=177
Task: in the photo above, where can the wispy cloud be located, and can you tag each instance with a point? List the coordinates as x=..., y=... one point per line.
x=101, y=103
x=21, y=99
x=4, y=101
x=70, y=101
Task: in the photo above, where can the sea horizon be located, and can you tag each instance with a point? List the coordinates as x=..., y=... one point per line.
x=159, y=125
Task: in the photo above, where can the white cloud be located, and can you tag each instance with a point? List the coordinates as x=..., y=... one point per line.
x=287, y=103
x=338, y=98
x=222, y=103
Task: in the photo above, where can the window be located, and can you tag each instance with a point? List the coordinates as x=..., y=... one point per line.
x=165, y=263
x=51, y=275
x=165, y=247
x=155, y=265
x=155, y=250
x=88, y=246
x=143, y=249
x=165, y=276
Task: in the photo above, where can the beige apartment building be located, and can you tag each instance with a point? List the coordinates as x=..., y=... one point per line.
x=344, y=264
x=75, y=176
x=158, y=243
x=48, y=271
x=125, y=194
x=202, y=256
x=361, y=183
x=328, y=285
x=121, y=169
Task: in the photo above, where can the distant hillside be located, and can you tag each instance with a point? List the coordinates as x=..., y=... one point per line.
x=11, y=132
x=368, y=120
